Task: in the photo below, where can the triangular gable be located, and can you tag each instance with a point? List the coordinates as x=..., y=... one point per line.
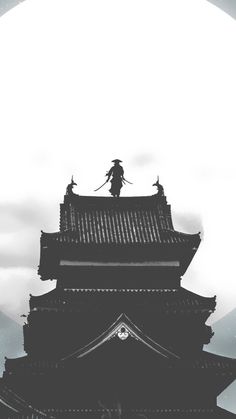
x=123, y=328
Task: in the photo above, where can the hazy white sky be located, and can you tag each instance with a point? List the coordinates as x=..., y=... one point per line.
x=149, y=82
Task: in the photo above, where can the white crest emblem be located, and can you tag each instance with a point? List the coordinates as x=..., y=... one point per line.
x=123, y=332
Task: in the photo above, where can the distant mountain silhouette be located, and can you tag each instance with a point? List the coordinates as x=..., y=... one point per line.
x=224, y=340
x=11, y=340
x=228, y=6
x=224, y=343
x=6, y=5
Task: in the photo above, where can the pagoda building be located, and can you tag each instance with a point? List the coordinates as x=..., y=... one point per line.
x=118, y=337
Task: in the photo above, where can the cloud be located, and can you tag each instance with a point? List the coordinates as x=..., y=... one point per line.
x=188, y=223
x=20, y=224
x=143, y=159
x=23, y=215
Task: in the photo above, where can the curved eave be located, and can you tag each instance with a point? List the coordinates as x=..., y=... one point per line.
x=218, y=362
x=50, y=294
x=166, y=237
x=184, y=301
x=36, y=300
x=202, y=300
x=177, y=249
x=16, y=405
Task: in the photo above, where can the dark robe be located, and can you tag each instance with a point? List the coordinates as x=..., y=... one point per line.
x=116, y=174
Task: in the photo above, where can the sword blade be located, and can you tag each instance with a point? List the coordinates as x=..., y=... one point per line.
x=128, y=181
x=95, y=190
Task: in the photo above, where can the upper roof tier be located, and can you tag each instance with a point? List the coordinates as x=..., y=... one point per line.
x=106, y=231
x=123, y=221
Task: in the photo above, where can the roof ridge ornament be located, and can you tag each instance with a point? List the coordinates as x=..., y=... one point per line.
x=123, y=332
x=160, y=189
x=69, y=188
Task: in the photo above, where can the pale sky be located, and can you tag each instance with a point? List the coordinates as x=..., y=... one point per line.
x=149, y=82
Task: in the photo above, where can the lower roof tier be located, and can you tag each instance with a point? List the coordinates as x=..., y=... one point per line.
x=122, y=360
x=141, y=373
x=207, y=361
x=14, y=407
x=126, y=337
x=64, y=319
x=70, y=413
x=168, y=301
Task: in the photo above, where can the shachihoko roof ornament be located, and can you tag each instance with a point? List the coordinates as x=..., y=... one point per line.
x=160, y=189
x=69, y=188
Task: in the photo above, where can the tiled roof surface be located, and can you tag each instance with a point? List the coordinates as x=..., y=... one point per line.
x=122, y=221
x=115, y=230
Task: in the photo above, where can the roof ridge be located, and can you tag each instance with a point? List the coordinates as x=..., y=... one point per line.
x=111, y=198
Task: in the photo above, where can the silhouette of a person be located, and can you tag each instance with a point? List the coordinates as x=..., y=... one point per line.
x=116, y=175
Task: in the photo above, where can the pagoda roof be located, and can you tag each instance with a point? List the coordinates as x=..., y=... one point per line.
x=141, y=231
x=124, y=328
x=205, y=360
x=123, y=221
x=166, y=300
x=98, y=231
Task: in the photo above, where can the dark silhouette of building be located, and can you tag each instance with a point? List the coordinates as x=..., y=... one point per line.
x=118, y=337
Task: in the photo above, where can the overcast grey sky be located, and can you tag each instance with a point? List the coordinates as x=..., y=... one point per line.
x=83, y=85
x=123, y=81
